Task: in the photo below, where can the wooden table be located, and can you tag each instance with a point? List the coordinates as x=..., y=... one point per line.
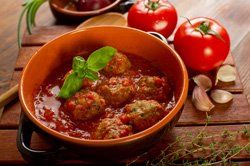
x=234, y=15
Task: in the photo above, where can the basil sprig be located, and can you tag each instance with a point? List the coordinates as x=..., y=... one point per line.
x=86, y=69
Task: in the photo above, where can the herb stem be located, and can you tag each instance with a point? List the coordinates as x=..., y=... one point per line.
x=235, y=154
x=19, y=27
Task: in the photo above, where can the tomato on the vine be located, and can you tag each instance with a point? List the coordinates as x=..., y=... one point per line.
x=202, y=43
x=153, y=15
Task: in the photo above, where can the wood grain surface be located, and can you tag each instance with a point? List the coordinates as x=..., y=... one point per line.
x=234, y=15
x=9, y=14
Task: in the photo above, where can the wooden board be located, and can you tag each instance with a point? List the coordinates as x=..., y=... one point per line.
x=41, y=35
x=233, y=15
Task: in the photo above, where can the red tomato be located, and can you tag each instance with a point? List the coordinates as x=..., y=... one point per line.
x=202, y=43
x=151, y=15
x=89, y=5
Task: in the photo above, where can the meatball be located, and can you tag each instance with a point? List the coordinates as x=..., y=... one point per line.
x=110, y=128
x=152, y=88
x=142, y=114
x=117, y=90
x=118, y=65
x=85, y=105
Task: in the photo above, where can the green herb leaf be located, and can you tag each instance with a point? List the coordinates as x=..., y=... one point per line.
x=79, y=66
x=85, y=69
x=92, y=75
x=71, y=85
x=100, y=58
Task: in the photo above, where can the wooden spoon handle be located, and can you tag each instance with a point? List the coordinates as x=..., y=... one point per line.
x=8, y=96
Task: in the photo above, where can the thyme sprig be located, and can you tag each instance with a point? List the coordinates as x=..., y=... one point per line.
x=202, y=148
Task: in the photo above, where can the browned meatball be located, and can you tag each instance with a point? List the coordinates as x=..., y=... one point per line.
x=152, y=88
x=85, y=105
x=118, y=65
x=142, y=114
x=117, y=90
x=110, y=128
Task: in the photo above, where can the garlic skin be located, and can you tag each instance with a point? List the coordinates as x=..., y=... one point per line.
x=221, y=96
x=226, y=73
x=203, y=81
x=201, y=100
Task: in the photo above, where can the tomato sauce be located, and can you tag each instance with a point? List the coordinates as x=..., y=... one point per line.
x=50, y=110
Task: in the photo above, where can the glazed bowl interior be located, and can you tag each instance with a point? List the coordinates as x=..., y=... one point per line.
x=126, y=40
x=59, y=6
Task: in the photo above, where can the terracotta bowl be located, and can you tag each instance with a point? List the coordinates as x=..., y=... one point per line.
x=127, y=40
x=58, y=9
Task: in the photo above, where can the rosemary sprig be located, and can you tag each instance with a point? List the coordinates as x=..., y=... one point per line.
x=30, y=8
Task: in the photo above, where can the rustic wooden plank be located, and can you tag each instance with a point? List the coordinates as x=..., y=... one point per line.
x=10, y=154
x=242, y=58
x=237, y=111
x=244, y=163
x=229, y=60
x=24, y=56
x=43, y=34
x=8, y=150
x=15, y=78
x=11, y=114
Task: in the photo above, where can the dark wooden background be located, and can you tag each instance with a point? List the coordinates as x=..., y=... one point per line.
x=233, y=14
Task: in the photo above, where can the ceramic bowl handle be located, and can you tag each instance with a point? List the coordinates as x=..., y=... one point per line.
x=158, y=35
x=25, y=130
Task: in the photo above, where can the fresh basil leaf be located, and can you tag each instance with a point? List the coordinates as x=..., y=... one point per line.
x=85, y=69
x=78, y=63
x=100, y=58
x=71, y=85
x=79, y=66
x=92, y=75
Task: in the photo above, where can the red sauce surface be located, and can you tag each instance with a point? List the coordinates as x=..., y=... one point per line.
x=50, y=111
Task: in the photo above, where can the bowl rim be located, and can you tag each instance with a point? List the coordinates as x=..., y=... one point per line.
x=108, y=142
x=83, y=13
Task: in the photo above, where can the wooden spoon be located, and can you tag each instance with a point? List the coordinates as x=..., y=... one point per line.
x=7, y=97
x=105, y=19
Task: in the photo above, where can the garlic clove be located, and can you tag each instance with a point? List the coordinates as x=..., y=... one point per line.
x=226, y=73
x=203, y=81
x=221, y=96
x=201, y=100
